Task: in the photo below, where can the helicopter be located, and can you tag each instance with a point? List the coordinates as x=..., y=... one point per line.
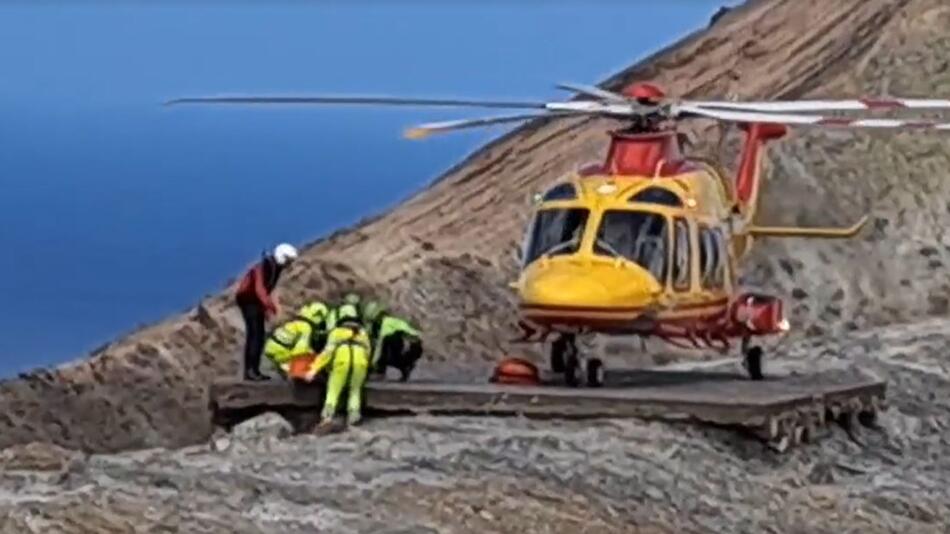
x=648, y=242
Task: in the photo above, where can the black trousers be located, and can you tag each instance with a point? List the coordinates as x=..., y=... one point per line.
x=400, y=351
x=253, y=314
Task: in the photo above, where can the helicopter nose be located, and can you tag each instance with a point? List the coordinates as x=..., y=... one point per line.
x=590, y=286
x=561, y=289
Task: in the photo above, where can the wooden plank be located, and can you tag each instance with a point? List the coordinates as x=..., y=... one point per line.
x=723, y=399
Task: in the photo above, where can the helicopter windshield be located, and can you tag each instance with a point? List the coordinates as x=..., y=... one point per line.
x=638, y=236
x=555, y=231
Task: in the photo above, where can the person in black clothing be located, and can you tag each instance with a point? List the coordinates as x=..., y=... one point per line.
x=254, y=299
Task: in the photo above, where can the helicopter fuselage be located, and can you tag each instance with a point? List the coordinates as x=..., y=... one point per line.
x=647, y=244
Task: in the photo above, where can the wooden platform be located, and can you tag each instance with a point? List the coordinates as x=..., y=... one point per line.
x=786, y=408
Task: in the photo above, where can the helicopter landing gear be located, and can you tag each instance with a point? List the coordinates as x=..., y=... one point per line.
x=752, y=360
x=562, y=348
x=595, y=372
x=565, y=358
x=572, y=367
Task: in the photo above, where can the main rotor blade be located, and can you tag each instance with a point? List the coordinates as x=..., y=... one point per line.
x=809, y=120
x=595, y=92
x=861, y=104
x=385, y=100
x=425, y=130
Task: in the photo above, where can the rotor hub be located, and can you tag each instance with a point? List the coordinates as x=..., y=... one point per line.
x=644, y=93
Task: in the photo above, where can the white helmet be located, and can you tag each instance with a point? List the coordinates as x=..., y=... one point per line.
x=284, y=253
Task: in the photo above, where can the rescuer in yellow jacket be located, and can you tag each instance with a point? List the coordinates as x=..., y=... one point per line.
x=346, y=353
x=351, y=299
x=396, y=343
x=302, y=335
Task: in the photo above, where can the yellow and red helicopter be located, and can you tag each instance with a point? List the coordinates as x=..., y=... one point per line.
x=648, y=242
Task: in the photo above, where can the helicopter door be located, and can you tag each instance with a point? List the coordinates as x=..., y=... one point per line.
x=726, y=265
x=683, y=287
x=712, y=260
x=681, y=279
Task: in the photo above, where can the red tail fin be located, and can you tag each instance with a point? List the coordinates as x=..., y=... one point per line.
x=750, y=165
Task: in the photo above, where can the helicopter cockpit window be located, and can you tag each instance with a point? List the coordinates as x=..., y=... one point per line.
x=554, y=232
x=657, y=195
x=560, y=192
x=638, y=236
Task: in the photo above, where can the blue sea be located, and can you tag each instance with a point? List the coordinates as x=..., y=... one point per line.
x=116, y=211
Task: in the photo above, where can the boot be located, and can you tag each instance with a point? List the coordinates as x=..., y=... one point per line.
x=406, y=372
x=353, y=418
x=324, y=427
x=254, y=375
x=377, y=374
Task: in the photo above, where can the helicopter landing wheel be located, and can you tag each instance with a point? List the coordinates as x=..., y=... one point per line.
x=752, y=361
x=562, y=348
x=572, y=369
x=595, y=372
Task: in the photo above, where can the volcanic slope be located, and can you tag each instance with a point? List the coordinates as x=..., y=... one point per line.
x=444, y=257
x=467, y=474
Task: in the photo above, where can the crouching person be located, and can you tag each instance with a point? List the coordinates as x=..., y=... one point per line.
x=395, y=342
x=346, y=356
x=302, y=335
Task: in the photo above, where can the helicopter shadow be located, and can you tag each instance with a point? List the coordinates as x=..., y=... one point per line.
x=648, y=378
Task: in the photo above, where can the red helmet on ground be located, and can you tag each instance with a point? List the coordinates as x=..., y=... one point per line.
x=516, y=371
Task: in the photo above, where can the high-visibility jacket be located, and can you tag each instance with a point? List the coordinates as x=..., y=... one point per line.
x=338, y=337
x=332, y=315
x=384, y=327
x=331, y=318
x=290, y=340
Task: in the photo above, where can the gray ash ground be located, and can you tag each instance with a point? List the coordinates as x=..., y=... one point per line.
x=470, y=474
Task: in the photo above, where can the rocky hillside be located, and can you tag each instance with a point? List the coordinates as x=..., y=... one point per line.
x=465, y=475
x=446, y=255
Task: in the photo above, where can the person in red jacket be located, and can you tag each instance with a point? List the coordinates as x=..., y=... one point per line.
x=253, y=297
